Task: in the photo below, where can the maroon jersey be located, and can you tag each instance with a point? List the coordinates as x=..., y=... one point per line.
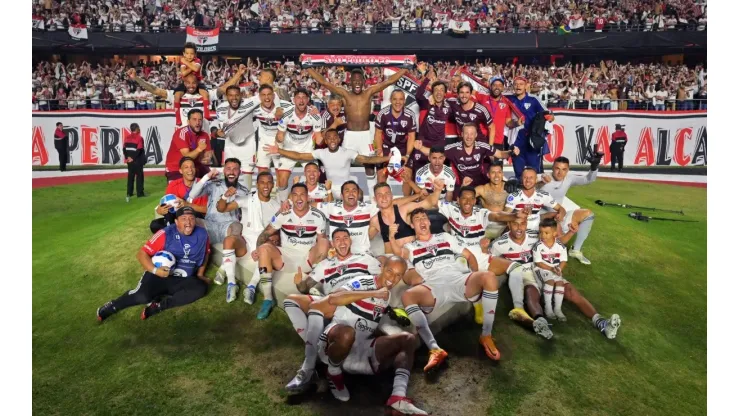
x=473, y=165
x=478, y=114
x=395, y=129
x=432, y=119
x=328, y=119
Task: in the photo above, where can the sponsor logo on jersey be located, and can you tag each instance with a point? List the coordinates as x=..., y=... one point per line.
x=361, y=325
x=186, y=250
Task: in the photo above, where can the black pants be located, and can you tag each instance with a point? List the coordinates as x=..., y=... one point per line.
x=135, y=169
x=218, y=150
x=617, y=156
x=172, y=292
x=61, y=146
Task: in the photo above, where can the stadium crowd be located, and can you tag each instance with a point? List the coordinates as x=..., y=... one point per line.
x=604, y=85
x=366, y=16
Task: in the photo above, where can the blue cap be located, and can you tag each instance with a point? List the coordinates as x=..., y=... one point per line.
x=497, y=78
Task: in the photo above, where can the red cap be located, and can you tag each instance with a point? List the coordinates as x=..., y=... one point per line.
x=520, y=78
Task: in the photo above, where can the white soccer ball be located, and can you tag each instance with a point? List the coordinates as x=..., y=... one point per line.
x=164, y=259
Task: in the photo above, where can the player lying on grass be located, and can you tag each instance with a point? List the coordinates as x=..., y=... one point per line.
x=442, y=279
x=350, y=342
x=257, y=209
x=225, y=226
x=165, y=288
x=302, y=243
x=328, y=276
x=557, y=186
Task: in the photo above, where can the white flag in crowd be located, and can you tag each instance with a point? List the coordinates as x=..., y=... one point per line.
x=78, y=32
x=204, y=40
x=459, y=26
x=38, y=22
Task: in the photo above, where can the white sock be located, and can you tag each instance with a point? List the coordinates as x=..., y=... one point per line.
x=516, y=287
x=490, y=299
x=400, y=382
x=548, y=299
x=283, y=194
x=371, y=182
x=297, y=317
x=584, y=228
x=558, y=296
x=229, y=265
x=266, y=284
x=255, y=278
x=416, y=316
x=335, y=369
x=314, y=330
x=247, y=180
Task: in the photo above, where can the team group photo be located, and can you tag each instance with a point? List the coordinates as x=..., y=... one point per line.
x=369, y=207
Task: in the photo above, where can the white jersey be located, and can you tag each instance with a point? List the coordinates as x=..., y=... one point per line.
x=215, y=188
x=332, y=273
x=256, y=215
x=438, y=259
x=519, y=201
x=357, y=221
x=317, y=194
x=468, y=231
x=559, y=189
x=190, y=102
x=267, y=122
x=299, y=233
x=337, y=165
x=425, y=179
x=552, y=256
x=299, y=130
x=507, y=248
x=237, y=124
x=363, y=315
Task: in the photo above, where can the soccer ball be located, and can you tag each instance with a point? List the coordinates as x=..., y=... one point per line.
x=163, y=259
x=169, y=200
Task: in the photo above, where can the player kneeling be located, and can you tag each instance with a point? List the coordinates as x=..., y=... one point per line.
x=443, y=278
x=348, y=342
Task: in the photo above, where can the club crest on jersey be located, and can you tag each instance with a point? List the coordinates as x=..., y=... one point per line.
x=501, y=106
x=377, y=312
x=464, y=230
x=299, y=231
x=432, y=250
x=348, y=219
x=341, y=269
x=472, y=116
x=477, y=158
x=527, y=105
x=403, y=123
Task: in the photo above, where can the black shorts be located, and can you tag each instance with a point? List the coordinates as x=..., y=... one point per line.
x=181, y=87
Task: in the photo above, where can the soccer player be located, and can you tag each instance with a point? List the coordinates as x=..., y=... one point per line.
x=268, y=115
x=435, y=169
x=357, y=106
x=298, y=130
x=180, y=188
x=334, y=117
x=225, y=226
x=395, y=126
x=337, y=159
x=516, y=245
x=532, y=201
x=257, y=209
x=529, y=106
x=467, y=111
x=550, y=257
x=432, y=119
x=493, y=197
x=302, y=243
x=328, y=276
x=557, y=186
x=317, y=192
x=164, y=288
x=443, y=279
x=191, y=141
x=190, y=65
x=349, y=343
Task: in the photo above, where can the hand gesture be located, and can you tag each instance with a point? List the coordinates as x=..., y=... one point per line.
x=285, y=207
x=230, y=192
x=255, y=255
x=131, y=73
x=418, y=145
x=271, y=149
x=162, y=209
x=560, y=216
x=220, y=133
x=546, y=178
x=327, y=184
x=163, y=271
x=383, y=293
x=515, y=150
x=179, y=203
x=202, y=145
x=485, y=244
x=279, y=112
x=243, y=69
x=296, y=179
x=313, y=110
x=520, y=214
x=557, y=271
x=212, y=174
x=392, y=230
x=573, y=227
x=422, y=67
x=298, y=277
x=466, y=181
x=406, y=174
x=439, y=184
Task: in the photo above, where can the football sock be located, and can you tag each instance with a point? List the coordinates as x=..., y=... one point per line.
x=516, y=287
x=335, y=369
x=371, y=182
x=266, y=283
x=583, y=229
x=558, y=296
x=297, y=317
x=178, y=116
x=599, y=322
x=548, y=299
x=246, y=180
x=490, y=299
x=255, y=278
x=283, y=194
x=401, y=382
x=229, y=265
x=313, y=332
x=422, y=326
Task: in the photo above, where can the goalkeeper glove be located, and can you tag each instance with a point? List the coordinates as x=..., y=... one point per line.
x=398, y=315
x=511, y=186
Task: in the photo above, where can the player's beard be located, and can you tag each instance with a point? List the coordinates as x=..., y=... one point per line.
x=230, y=184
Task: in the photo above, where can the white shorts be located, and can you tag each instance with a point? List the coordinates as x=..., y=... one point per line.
x=495, y=229
x=543, y=276
x=264, y=159
x=359, y=141
x=566, y=220
x=483, y=259
x=217, y=231
x=292, y=258
x=447, y=290
x=245, y=152
x=361, y=358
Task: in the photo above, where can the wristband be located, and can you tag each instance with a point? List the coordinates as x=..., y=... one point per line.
x=223, y=196
x=154, y=270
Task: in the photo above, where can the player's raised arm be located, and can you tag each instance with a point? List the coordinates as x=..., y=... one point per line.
x=396, y=246
x=390, y=81
x=234, y=80
x=371, y=160
x=159, y=92
x=275, y=150
x=326, y=84
x=344, y=298
x=506, y=216
x=200, y=184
